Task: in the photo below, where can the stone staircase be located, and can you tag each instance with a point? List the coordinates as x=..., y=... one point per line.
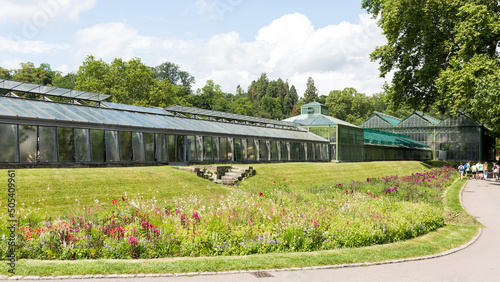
x=228, y=175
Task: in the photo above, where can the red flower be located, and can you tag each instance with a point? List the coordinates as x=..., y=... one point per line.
x=251, y=195
x=114, y=202
x=261, y=194
x=123, y=199
x=284, y=179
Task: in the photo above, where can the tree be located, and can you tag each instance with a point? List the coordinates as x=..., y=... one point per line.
x=173, y=73
x=349, y=105
x=442, y=53
x=5, y=73
x=311, y=94
x=129, y=82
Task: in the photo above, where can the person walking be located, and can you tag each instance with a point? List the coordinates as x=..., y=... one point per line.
x=461, y=171
x=467, y=169
x=495, y=171
x=473, y=168
x=480, y=170
x=485, y=170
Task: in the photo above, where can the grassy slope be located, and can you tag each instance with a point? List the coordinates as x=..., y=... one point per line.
x=448, y=237
x=310, y=175
x=55, y=192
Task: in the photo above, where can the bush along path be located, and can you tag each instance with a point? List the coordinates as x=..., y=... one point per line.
x=354, y=214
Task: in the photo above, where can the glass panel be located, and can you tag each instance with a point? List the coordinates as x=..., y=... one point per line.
x=264, y=152
x=28, y=137
x=238, y=149
x=180, y=149
x=112, y=146
x=215, y=148
x=8, y=143
x=199, y=147
x=191, y=148
x=207, y=148
x=230, y=149
x=82, y=145
x=284, y=151
x=250, y=150
x=223, y=149
x=65, y=142
x=274, y=151
x=97, y=141
x=244, y=149
x=149, y=140
x=138, y=153
x=161, y=148
x=171, y=148
x=48, y=144
x=125, y=146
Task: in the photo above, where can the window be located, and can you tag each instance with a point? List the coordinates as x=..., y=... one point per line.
x=8, y=143
x=65, y=141
x=97, y=144
x=28, y=137
x=112, y=146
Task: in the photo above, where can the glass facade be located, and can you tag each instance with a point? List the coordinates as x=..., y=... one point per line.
x=455, y=138
x=92, y=135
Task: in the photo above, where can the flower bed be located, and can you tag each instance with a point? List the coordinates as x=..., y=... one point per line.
x=352, y=214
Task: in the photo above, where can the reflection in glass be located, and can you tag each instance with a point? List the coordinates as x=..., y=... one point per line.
x=28, y=143
x=180, y=149
x=138, y=153
x=274, y=151
x=223, y=149
x=199, y=147
x=82, y=145
x=97, y=141
x=171, y=148
x=149, y=141
x=191, y=147
x=284, y=151
x=8, y=143
x=125, y=146
x=215, y=148
x=230, y=149
x=207, y=148
x=161, y=147
x=238, y=150
x=65, y=142
x=264, y=151
x=112, y=145
x=250, y=150
x=48, y=144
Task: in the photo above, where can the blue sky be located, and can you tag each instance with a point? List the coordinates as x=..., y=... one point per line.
x=229, y=41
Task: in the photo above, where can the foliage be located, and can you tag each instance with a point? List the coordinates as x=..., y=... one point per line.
x=349, y=105
x=441, y=53
x=311, y=94
x=351, y=215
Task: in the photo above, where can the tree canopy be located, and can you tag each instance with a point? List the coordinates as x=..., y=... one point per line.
x=441, y=53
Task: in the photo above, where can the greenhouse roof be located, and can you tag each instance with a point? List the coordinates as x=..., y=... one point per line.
x=430, y=119
x=125, y=117
x=23, y=87
x=317, y=120
x=390, y=119
x=376, y=137
x=224, y=115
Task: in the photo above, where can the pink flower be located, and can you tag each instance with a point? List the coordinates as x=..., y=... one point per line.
x=261, y=194
x=114, y=202
x=123, y=199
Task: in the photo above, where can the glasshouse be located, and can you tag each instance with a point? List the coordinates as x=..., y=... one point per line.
x=86, y=130
x=352, y=143
x=454, y=138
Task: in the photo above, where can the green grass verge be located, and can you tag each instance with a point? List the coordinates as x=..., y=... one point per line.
x=454, y=234
x=311, y=175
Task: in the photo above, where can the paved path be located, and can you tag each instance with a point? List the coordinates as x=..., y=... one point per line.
x=478, y=262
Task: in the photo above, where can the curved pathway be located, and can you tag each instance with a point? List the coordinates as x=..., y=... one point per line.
x=478, y=262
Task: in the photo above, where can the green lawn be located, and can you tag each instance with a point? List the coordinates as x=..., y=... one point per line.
x=57, y=190
x=50, y=193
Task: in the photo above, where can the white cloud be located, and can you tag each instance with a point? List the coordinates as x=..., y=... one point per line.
x=291, y=48
x=28, y=46
x=109, y=41
x=42, y=11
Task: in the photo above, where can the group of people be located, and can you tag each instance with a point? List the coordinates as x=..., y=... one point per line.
x=478, y=171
